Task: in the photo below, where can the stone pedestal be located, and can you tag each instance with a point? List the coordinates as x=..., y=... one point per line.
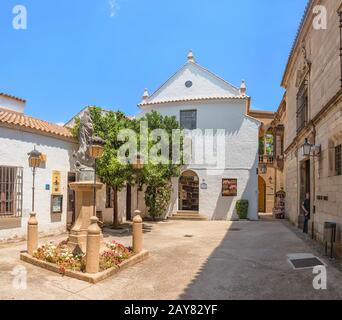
x=137, y=232
x=84, y=208
x=32, y=234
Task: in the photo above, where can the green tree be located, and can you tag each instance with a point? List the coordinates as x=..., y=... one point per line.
x=157, y=176
x=110, y=170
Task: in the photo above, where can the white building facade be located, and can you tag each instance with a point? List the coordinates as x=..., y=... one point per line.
x=20, y=134
x=204, y=102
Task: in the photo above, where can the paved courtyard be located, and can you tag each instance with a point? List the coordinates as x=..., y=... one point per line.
x=190, y=260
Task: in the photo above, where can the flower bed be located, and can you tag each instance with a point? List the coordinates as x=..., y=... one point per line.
x=65, y=259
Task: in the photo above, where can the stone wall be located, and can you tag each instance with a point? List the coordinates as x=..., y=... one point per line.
x=322, y=50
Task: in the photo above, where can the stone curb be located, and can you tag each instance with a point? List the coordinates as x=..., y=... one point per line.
x=91, y=278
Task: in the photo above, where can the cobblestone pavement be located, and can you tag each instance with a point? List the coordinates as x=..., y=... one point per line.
x=189, y=260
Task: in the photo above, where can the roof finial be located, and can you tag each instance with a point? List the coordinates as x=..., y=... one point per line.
x=146, y=94
x=243, y=88
x=191, y=57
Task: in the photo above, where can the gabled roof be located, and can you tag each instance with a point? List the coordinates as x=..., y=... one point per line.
x=12, y=97
x=228, y=91
x=205, y=98
x=20, y=121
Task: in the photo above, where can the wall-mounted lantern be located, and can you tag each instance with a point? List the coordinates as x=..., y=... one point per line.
x=310, y=149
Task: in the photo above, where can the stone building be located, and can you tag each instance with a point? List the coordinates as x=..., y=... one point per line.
x=266, y=168
x=312, y=80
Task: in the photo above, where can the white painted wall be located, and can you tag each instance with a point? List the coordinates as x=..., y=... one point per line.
x=15, y=145
x=11, y=104
x=205, y=84
x=108, y=212
x=241, y=138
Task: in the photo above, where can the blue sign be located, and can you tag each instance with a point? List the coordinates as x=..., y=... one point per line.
x=47, y=187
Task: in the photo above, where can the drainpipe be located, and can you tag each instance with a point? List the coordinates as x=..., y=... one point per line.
x=314, y=183
x=340, y=14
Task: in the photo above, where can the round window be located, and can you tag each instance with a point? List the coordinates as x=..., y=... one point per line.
x=188, y=84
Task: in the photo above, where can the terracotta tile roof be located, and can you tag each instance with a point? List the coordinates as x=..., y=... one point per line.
x=191, y=99
x=15, y=119
x=12, y=97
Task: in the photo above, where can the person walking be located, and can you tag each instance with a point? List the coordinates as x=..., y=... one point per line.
x=306, y=209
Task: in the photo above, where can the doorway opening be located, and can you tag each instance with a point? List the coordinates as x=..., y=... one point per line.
x=188, y=191
x=128, y=202
x=262, y=195
x=305, y=187
x=71, y=213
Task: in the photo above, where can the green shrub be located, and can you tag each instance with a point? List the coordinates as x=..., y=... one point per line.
x=157, y=199
x=242, y=208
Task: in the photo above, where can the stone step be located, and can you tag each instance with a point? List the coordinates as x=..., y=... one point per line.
x=190, y=217
x=181, y=212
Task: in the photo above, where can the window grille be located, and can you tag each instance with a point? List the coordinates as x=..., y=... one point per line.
x=188, y=119
x=11, y=191
x=302, y=106
x=338, y=160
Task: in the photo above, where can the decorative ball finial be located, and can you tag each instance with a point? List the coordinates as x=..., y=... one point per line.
x=146, y=94
x=243, y=88
x=191, y=57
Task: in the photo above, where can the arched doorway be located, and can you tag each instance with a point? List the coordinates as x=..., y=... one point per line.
x=188, y=191
x=262, y=195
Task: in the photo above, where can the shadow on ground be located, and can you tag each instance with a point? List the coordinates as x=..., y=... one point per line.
x=125, y=230
x=251, y=263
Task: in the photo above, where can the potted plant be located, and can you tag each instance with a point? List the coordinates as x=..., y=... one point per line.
x=242, y=209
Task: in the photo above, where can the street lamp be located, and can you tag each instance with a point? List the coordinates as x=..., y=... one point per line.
x=96, y=151
x=34, y=162
x=307, y=149
x=138, y=165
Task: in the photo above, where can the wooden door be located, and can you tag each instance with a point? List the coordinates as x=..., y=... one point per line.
x=262, y=195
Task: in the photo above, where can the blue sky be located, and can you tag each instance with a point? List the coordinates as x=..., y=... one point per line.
x=87, y=52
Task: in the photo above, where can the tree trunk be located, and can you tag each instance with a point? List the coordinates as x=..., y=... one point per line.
x=115, y=208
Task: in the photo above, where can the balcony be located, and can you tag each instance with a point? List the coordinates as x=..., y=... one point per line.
x=266, y=159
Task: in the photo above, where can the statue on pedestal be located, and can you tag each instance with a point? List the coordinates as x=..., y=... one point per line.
x=85, y=186
x=84, y=163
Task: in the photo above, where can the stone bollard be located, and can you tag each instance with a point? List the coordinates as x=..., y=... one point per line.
x=137, y=232
x=32, y=234
x=93, y=246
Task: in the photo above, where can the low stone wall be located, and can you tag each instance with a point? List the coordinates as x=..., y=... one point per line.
x=91, y=278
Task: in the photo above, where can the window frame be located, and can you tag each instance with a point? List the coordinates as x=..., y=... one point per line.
x=338, y=160
x=302, y=110
x=192, y=119
x=11, y=191
x=109, y=197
